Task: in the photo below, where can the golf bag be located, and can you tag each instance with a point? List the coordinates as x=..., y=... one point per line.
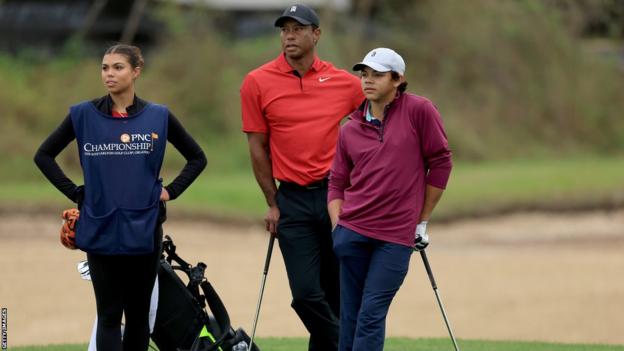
x=183, y=323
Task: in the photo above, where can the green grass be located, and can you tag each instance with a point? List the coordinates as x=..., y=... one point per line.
x=395, y=344
x=533, y=184
x=474, y=189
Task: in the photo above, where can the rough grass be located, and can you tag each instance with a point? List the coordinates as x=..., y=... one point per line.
x=475, y=189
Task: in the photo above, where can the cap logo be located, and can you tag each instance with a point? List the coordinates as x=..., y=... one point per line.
x=293, y=9
x=373, y=53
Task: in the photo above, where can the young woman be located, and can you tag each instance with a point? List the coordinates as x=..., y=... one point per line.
x=391, y=166
x=121, y=143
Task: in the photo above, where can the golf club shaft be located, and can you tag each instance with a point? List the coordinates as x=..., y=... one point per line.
x=435, y=290
x=267, y=261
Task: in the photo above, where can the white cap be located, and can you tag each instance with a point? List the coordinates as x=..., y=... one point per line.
x=382, y=60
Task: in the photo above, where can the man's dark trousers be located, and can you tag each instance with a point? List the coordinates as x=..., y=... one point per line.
x=304, y=235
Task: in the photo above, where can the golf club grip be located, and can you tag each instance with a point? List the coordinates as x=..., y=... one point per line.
x=428, y=268
x=268, y=256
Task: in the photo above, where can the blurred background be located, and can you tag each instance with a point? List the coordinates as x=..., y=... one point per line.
x=531, y=91
x=528, y=238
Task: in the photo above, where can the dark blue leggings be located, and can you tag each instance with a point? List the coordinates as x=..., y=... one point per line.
x=123, y=285
x=371, y=273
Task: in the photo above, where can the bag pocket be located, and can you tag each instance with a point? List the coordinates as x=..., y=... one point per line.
x=96, y=234
x=135, y=229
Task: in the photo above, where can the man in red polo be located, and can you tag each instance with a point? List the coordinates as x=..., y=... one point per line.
x=291, y=110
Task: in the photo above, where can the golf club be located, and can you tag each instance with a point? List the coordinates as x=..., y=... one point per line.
x=264, y=276
x=435, y=290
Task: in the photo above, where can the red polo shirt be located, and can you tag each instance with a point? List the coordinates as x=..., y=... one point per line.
x=301, y=115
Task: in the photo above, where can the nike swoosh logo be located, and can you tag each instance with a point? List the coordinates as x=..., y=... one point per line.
x=322, y=79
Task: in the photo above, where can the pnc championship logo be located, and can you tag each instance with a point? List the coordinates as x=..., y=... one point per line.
x=131, y=144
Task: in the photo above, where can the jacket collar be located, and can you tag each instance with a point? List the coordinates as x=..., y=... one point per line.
x=360, y=114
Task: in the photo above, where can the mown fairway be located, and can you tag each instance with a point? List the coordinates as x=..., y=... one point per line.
x=394, y=344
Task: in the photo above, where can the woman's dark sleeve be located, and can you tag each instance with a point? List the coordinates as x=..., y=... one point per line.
x=45, y=160
x=188, y=147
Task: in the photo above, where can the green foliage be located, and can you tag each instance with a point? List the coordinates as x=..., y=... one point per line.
x=510, y=77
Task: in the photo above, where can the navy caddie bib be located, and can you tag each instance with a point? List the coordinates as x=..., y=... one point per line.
x=121, y=160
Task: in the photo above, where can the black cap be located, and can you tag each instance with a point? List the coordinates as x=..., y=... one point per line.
x=299, y=13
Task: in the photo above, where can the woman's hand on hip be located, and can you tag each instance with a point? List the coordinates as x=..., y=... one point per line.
x=164, y=195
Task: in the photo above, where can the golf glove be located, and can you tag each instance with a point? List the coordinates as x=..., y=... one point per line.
x=83, y=269
x=68, y=228
x=421, y=239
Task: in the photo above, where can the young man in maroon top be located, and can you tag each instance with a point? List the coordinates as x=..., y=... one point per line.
x=392, y=164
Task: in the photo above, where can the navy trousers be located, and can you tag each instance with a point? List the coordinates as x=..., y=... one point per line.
x=371, y=273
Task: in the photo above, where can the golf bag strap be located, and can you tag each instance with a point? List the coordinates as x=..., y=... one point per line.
x=218, y=310
x=182, y=264
x=170, y=249
x=173, y=257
